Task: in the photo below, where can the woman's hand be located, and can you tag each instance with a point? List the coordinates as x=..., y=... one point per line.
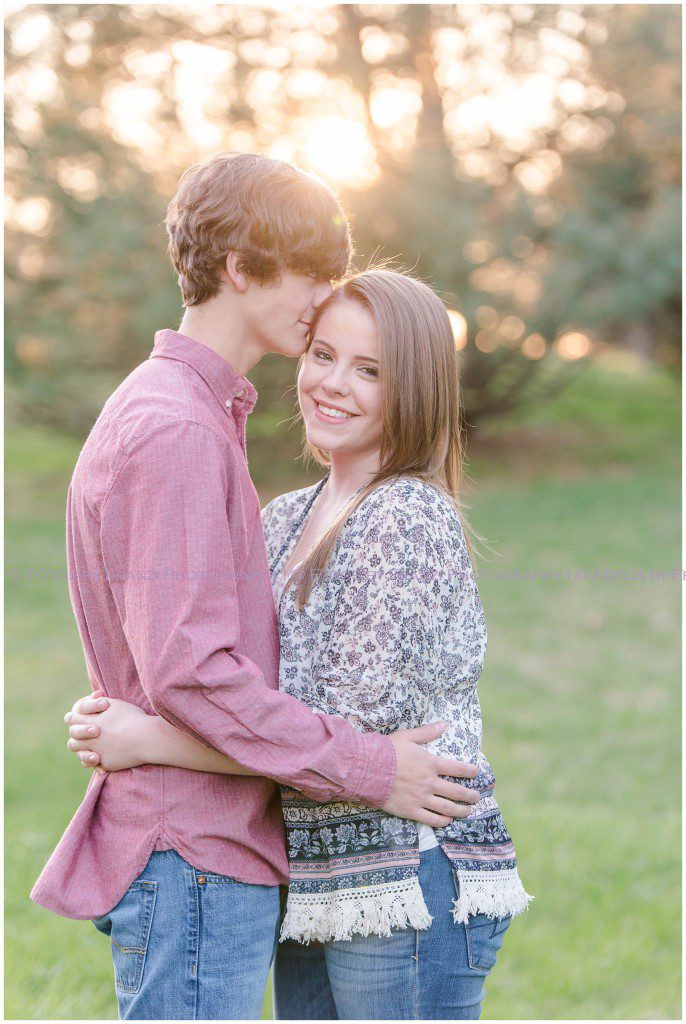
x=107, y=734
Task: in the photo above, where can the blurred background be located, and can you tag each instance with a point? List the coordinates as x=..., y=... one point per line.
x=525, y=161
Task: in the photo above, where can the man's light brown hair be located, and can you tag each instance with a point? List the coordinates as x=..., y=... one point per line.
x=273, y=215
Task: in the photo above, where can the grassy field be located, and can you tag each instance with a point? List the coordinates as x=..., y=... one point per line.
x=580, y=696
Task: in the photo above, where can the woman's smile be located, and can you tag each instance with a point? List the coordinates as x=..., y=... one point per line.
x=331, y=413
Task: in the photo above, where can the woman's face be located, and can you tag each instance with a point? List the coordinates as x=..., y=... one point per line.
x=339, y=389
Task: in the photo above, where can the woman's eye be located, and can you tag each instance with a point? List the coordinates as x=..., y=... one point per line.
x=371, y=371
x=320, y=352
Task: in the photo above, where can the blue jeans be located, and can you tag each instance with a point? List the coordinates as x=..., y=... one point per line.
x=190, y=945
x=434, y=974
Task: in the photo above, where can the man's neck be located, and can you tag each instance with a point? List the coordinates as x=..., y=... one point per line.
x=211, y=324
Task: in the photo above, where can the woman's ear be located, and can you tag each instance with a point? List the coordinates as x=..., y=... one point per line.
x=231, y=272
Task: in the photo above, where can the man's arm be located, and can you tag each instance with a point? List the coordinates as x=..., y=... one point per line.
x=118, y=735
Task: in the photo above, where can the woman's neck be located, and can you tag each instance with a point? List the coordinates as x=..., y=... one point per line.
x=349, y=472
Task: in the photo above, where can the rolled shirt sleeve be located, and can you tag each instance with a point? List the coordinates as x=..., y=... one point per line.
x=171, y=564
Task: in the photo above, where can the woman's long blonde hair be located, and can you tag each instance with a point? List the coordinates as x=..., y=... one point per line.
x=422, y=434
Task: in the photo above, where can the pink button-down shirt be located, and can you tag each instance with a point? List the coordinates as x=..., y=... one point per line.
x=170, y=586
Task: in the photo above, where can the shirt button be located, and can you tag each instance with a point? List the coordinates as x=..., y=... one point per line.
x=202, y=879
x=228, y=403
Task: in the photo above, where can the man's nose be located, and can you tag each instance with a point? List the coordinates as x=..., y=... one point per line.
x=322, y=292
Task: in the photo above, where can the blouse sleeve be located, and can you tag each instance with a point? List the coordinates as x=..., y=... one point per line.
x=394, y=601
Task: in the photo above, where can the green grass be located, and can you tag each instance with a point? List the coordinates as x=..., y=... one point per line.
x=580, y=695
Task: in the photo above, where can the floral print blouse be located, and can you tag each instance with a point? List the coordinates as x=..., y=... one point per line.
x=392, y=636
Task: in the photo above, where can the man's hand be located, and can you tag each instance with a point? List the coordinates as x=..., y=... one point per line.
x=419, y=792
x=104, y=733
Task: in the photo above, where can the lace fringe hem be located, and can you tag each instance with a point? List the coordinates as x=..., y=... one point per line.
x=347, y=912
x=494, y=893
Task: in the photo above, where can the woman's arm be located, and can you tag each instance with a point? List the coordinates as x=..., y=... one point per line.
x=116, y=735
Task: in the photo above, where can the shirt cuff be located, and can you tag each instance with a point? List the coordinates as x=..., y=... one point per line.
x=377, y=769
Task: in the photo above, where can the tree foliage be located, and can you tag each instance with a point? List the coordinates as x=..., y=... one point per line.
x=522, y=159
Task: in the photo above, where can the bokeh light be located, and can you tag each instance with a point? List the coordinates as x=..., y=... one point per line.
x=572, y=345
x=534, y=346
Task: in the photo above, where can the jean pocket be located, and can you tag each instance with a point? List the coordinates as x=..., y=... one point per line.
x=128, y=926
x=484, y=939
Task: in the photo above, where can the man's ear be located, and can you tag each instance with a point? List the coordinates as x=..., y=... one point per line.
x=238, y=278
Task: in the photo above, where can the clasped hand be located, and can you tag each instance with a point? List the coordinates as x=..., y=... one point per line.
x=114, y=743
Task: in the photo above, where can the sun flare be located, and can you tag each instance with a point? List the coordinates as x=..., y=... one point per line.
x=339, y=149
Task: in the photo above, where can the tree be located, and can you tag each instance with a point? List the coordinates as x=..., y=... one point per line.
x=507, y=154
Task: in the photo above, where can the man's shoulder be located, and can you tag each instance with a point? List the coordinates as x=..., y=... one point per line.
x=157, y=395
x=152, y=406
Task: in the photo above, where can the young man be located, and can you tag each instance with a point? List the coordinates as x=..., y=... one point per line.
x=170, y=587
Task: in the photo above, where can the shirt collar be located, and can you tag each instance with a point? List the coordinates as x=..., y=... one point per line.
x=219, y=375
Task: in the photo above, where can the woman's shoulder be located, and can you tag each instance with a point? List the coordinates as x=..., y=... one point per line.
x=407, y=502
x=408, y=521
x=287, y=506
x=279, y=518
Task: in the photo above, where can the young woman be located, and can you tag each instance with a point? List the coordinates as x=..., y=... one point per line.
x=381, y=622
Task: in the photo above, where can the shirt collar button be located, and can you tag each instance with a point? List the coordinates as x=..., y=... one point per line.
x=228, y=403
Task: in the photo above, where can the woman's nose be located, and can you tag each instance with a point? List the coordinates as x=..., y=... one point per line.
x=335, y=381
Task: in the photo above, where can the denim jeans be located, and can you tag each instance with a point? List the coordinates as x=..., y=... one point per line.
x=434, y=974
x=190, y=945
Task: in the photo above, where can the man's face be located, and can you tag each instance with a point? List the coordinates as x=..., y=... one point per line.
x=282, y=313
